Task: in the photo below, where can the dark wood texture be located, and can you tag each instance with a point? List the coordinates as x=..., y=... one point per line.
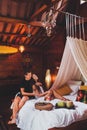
x=16, y=15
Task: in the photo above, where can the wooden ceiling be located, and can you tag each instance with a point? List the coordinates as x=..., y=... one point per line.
x=21, y=21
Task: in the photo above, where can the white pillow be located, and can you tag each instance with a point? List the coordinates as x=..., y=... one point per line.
x=74, y=82
x=86, y=83
x=74, y=88
x=74, y=85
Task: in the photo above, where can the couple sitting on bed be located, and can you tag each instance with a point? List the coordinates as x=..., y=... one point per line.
x=30, y=89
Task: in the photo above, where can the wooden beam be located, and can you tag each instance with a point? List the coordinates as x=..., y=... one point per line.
x=12, y=20
x=15, y=34
x=42, y=9
x=40, y=23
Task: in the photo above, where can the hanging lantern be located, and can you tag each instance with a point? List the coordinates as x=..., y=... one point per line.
x=48, y=78
x=21, y=48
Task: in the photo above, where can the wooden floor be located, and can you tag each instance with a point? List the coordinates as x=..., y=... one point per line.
x=5, y=113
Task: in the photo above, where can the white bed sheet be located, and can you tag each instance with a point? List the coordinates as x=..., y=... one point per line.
x=31, y=119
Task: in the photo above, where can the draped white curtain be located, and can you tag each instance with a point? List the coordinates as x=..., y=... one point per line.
x=74, y=61
x=78, y=49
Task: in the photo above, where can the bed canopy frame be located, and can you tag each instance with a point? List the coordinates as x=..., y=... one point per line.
x=74, y=61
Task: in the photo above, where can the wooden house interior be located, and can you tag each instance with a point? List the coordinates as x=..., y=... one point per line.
x=22, y=24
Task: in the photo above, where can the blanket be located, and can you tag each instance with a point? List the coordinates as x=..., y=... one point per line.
x=30, y=118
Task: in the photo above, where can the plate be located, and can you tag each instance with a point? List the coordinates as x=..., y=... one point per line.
x=56, y=106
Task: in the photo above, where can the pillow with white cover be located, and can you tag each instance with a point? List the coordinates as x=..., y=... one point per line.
x=74, y=85
x=76, y=82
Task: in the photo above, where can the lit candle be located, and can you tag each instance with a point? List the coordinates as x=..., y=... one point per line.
x=48, y=78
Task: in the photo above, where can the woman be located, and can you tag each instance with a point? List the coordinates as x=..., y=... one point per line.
x=38, y=90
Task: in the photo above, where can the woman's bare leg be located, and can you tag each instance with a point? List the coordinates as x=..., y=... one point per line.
x=15, y=110
x=22, y=102
x=18, y=103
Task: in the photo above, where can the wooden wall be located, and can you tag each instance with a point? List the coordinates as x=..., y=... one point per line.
x=10, y=69
x=13, y=67
x=54, y=52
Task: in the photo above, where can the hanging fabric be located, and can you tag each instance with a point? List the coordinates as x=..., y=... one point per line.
x=74, y=61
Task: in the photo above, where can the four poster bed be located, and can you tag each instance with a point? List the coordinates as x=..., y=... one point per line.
x=30, y=118
x=73, y=67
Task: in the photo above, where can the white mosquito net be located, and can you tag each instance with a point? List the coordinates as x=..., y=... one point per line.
x=74, y=61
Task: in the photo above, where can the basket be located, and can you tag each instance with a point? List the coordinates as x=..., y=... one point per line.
x=43, y=106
